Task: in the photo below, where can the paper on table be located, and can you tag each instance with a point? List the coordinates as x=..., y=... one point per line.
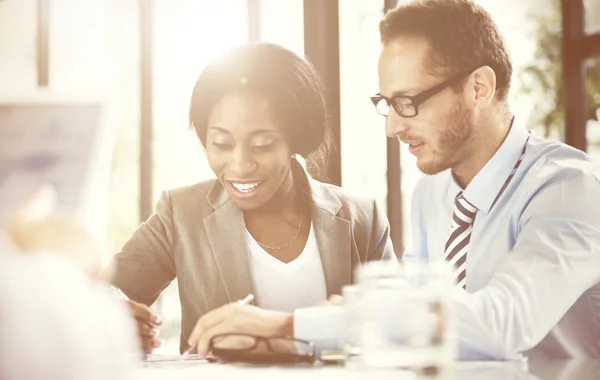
x=162, y=358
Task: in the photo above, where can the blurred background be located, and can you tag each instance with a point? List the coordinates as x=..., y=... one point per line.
x=142, y=58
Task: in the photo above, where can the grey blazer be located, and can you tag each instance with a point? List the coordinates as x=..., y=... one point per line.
x=197, y=235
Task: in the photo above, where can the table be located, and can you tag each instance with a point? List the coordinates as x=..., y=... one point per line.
x=534, y=370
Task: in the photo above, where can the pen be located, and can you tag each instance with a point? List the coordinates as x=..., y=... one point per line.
x=249, y=298
x=118, y=292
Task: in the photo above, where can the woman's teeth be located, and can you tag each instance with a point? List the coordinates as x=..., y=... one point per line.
x=245, y=187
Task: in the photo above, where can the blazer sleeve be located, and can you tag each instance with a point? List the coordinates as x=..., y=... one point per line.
x=380, y=247
x=145, y=265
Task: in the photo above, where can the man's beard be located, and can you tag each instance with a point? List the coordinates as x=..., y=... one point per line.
x=459, y=124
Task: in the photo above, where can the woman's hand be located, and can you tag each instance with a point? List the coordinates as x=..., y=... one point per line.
x=243, y=319
x=333, y=300
x=147, y=325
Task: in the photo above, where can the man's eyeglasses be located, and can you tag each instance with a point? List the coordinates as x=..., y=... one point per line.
x=408, y=106
x=258, y=349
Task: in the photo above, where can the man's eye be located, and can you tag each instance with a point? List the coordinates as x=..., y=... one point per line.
x=221, y=146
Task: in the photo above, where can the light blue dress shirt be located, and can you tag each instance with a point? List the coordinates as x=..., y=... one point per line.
x=533, y=262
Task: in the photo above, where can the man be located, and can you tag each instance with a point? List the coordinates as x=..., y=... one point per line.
x=518, y=216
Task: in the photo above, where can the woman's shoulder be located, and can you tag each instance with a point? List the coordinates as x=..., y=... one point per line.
x=194, y=190
x=190, y=196
x=352, y=202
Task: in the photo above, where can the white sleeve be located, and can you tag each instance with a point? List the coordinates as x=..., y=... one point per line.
x=322, y=325
x=57, y=324
x=475, y=340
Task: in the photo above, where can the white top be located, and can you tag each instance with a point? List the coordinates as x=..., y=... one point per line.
x=58, y=324
x=285, y=287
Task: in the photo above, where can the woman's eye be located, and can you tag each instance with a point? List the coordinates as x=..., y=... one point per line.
x=221, y=146
x=262, y=148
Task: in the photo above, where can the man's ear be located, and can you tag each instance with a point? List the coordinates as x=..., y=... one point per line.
x=484, y=86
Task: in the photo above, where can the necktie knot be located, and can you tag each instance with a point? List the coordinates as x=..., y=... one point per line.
x=464, y=210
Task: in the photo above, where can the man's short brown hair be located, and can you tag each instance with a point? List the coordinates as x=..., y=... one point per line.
x=462, y=36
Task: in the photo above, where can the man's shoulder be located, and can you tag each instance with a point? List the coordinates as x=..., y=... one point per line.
x=555, y=161
x=557, y=175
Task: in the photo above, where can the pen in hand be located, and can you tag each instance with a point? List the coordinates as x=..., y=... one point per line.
x=152, y=320
x=146, y=321
x=118, y=292
x=249, y=298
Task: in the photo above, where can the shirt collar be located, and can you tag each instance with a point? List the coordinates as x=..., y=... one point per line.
x=487, y=183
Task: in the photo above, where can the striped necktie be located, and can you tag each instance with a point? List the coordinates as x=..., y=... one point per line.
x=458, y=242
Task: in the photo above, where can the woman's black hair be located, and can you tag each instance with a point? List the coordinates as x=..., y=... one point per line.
x=288, y=82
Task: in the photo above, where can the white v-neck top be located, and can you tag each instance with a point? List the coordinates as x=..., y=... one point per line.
x=285, y=287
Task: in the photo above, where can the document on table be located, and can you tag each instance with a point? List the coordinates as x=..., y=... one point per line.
x=162, y=358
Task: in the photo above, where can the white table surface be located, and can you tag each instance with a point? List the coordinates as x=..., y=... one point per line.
x=554, y=370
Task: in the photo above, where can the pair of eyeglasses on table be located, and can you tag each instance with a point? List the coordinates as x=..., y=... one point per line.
x=254, y=349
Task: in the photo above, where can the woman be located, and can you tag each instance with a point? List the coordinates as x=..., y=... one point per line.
x=264, y=226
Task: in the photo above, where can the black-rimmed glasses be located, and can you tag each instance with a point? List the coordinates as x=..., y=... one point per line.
x=258, y=349
x=408, y=106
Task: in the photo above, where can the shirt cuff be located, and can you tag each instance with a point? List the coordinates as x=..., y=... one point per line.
x=321, y=325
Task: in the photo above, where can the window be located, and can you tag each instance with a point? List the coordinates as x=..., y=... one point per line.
x=592, y=16
x=363, y=139
x=593, y=123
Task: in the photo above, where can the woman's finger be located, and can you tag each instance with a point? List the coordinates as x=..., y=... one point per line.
x=143, y=313
x=208, y=321
x=147, y=330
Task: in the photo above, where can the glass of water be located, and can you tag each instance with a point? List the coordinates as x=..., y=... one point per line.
x=353, y=317
x=407, y=318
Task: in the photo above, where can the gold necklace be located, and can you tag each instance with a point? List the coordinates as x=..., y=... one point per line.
x=288, y=244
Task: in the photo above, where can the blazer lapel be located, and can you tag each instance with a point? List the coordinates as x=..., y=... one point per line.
x=225, y=231
x=333, y=237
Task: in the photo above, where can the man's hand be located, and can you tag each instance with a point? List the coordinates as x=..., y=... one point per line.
x=243, y=319
x=147, y=325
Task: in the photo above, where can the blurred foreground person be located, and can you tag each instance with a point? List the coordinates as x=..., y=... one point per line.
x=56, y=320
